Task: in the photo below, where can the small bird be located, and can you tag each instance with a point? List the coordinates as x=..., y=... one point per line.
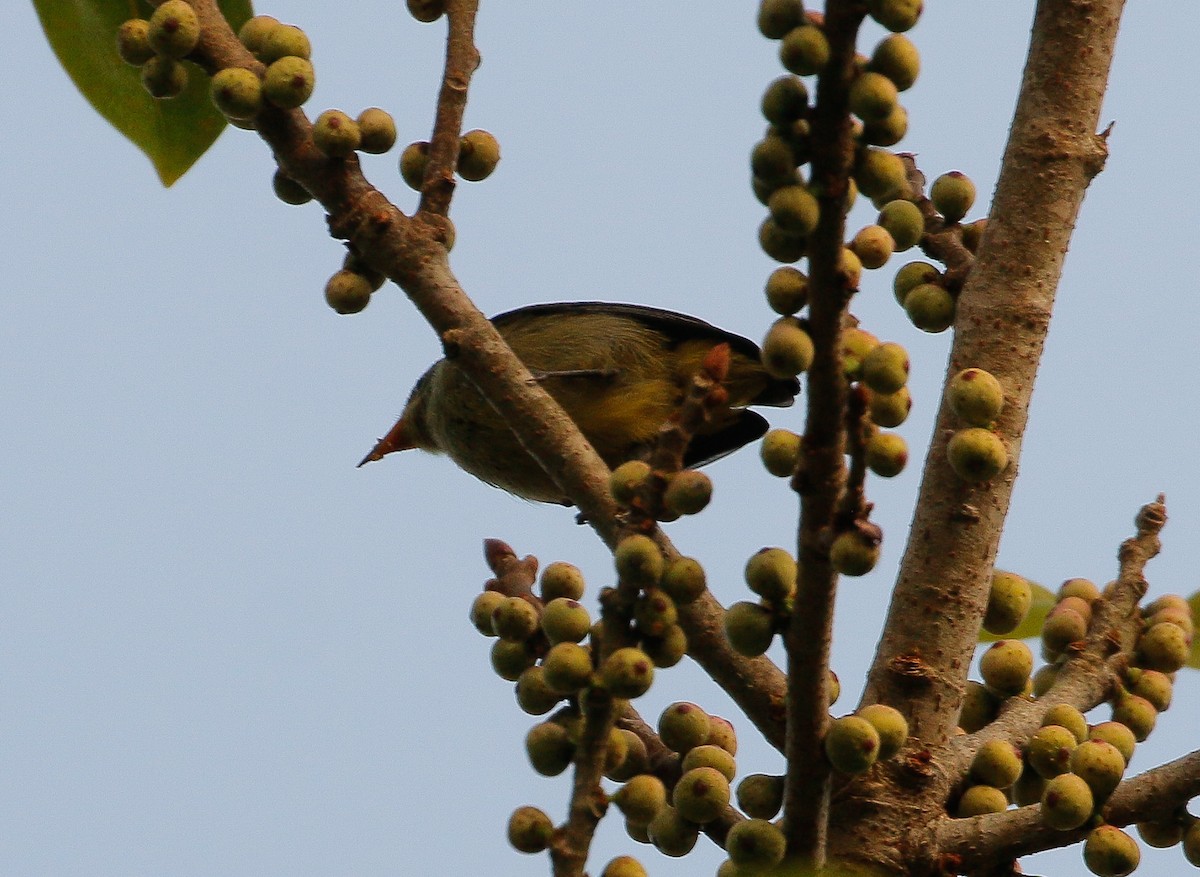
x=618, y=370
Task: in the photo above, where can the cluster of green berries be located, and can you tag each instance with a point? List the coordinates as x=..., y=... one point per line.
x=349, y=290
x=975, y=452
x=667, y=496
x=875, y=733
x=159, y=45
x=478, y=155
x=1068, y=766
x=777, y=161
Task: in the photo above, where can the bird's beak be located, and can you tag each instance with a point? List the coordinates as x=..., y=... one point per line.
x=397, y=439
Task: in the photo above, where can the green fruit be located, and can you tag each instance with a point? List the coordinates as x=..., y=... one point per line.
x=237, y=92
x=780, y=452
x=772, y=160
x=912, y=275
x=887, y=131
x=667, y=649
x=997, y=763
x=787, y=290
x=904, y=222
x=549, y=748
x=1009, y=600
x=977, y=800
x=787, y=350
x=722, y=734
x=1083, y=588
x=624, y=866
x=1049, y=750
x=873, y=245
x=560, y=579
x=627, y=479
x=930, y=308
x=684, y=579
x=760, y=795
x=1154, y=685
x=478, y=155
x=896, y=15
x=426, y=11
x=891, y=726
x=1062, y=627
x=133, y=42
x=897, y=58
x=1191, y=844
x=886, y=454
x=885, y=368
x=688, y=492
x=534, y=696
x=164, y=77
x=639, y=561
x=834, y=687
x=348, y=292
x=972, y=234
x=378, y=130
x=1161, y=835
x=336, y=134
x=638, y=833
x=777, y=17
x=880, y=173
x=952, y=195
x=856, y=344
x=851, y=745
x=413, y=161
x=979, y=707
x=481, y=611
x=781, y=245
x=1164, y=647
x=1044, y=679
x=255, y=30
x=1100, y=765
x=976, y=454
x=804, y=50
x=755, y=844
x=708, y=755
x=615, y=750
x=1110, y=852
x=627, y=673
x=851, y=268
x=1137, y=714
x=889, y=409
x=568, y=667
x=854, y=553
x=1067, y=802
x=283, y=41
x=174, y=29
x=771, y=573
x=514, y=619
x=636, y=761
x=1067, y=716
x=641, y=798
x=288, y=190
x=1118, y=735
x=794, y=209
x=701, y=795
x=1006, y=667
x=749, y=628
x=1029, y=788
x=289, y=82
x=511, y=659
x=565, y=621
x=671, y=834
x=785, y=100
x=872, y=96
x=530, y=830
x=683, y=726
x=975, y=396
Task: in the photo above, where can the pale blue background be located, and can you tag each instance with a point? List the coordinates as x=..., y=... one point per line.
x=224, y=651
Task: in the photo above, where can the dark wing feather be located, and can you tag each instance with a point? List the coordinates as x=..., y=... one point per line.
x=705, y=448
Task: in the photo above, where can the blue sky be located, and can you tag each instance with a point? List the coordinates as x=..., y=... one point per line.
x=225, y=650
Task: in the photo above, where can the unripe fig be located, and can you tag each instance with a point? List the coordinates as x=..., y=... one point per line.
x=348, y=292
x=777, y=17
x=889, y=409
x=624, y=866
x=977, y=800
x=627, y=673
x=896, y=15
x=886, y=454
x=237, y=92
x=683, y=726
x=426, y=11
x=1067, y=716
x=668, y=648
x=760, y=795
x=912, y=275
x=997, y=763
x=975, y=397
x=952, y=195
x=891, y=725
x=639, y=561
x=529, y=830
x=565, y=620
x=701, y=795
x=1062, y=627
x=755, y=844
x=1100, y=765
x=773, y=161
x=780, y=452
x=283, y=41
x=1049, y=750
x=688, y=492
x=885, y=368
x=771, y=573
x=873, y=245
x=880, y=173
x=1153, y=685
x=1067, y=802
x=510, y=659
x=289, y=82
x=851, y=745
x=872, y=96
x=1110, y=852
x=785, y=100
x=856, y=344
x=641, y=798
x=976, y=454
x=1118, y=735
x=481, y=611
x=514, y=619
x=1136, y=713
x=794, y=209
x=1028, y=788
x=478, y=155
x=854, y=553
x=336, y=134
x=163, y=77
x=930, y=308
x=1162, y=834
x=133, y=42
x=413, y=161
x=722, y=734
x=255, y=30
x=887, y=131
x=787, y=350
x=684, y=579
x=979, y=707
x=549, y=748
x=897, y=58
x=378, y=130
x=672, y=834
x=904, y=222
x=804, y=50
x=174, y=29
x=1006, y=667
x=779, y=244
x=1164, y=647
x=1008, y=602
x=627, y=479
x=561, y=579
x=787, y=290
x=749, y=628
x=534, y=696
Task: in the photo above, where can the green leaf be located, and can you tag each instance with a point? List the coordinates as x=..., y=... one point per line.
x=172, y=133
x=1043, y=602
x=1194, y=660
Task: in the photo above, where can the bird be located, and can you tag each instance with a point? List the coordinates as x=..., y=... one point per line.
x=618, y=370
